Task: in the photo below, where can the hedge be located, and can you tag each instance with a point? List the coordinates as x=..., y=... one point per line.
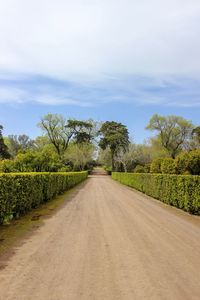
x=182, y=191
x=21, y=192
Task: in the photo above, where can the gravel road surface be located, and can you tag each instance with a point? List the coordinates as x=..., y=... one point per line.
x=109, y=242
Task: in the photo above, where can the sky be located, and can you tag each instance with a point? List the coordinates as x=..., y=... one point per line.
x=118, y=60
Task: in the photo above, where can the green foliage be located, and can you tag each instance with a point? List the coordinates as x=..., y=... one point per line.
x=104, y=158
x=147, y=168
x=168, y=166
x=108, y=170
x=20, y=192
x=55, y=127
x=61, y=131
x=182, y=191
x=196, y=134
x=83, y=131
x=139, y=169
x=4, y=154
x=20, y=143
x=173, y=132
x=7, y=166
x=45, y=160
x=114, y=136
x=156, y=165
x=188, y=162
x=80, y=156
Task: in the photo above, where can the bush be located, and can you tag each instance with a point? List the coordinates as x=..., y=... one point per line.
x=156, y=165
x=147, y=168
x=139, y=169
x=108, y=170
x=183, y=163
x=20, y=192
x=188, y=162
x=32, y=161
x=7, y=166
x=182, y=191
x=168, y=166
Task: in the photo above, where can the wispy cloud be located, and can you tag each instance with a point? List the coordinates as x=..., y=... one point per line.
x=138, y=90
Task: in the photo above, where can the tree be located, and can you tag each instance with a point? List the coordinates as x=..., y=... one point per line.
x=82, y=130
x=173, y=132
x=115, y=136
x=42, y=142
x=19, y=143
x=104, y=158
x=61, y=131
x=127, y=158
x=140, y=154
x=156, y=149
x=79, y=155
x=3, y=148
x=196, y=135
x=55, y=126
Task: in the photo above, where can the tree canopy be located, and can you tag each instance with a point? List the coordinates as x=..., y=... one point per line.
x=115, y=136
x=3, y=148
x=19, y=143
x=55, y=126
x=61, y=131
x=173, y=132
x=196, y=134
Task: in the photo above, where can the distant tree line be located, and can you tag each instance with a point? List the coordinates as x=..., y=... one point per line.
x=70, y=144
x=175, y=148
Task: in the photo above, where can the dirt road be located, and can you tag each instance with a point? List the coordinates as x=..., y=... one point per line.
x=108, y=243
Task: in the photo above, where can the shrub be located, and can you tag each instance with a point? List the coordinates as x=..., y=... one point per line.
x=139, y=169
x=147, y=168
x=188, y=162
x=156, y=165
x=168, y=166
x=183, y=162
x=182, y=191
x=195, y=162
x=65, y=169
x=7, y=166
x=20, y=192
x=108, y=170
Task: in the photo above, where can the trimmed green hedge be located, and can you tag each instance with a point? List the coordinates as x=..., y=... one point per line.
x=182, y=191
x=20, y=192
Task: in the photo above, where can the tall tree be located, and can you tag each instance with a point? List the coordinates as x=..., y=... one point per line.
x=196, y=134
x=79, y=155
x=4, y=154
x=115, y=136
x=55, y=126
x=19, y=143
x=83, y=131
x=173, y=132
x=61, y=131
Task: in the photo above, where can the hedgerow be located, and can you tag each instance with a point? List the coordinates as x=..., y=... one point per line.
x=21, y=192
x=182, y=191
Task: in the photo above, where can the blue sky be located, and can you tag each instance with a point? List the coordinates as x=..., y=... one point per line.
x=105, y=60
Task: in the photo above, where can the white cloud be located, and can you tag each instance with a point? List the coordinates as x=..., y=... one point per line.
x=109, y=50
x=139, y=90
x=9, y=95
x=76, y=39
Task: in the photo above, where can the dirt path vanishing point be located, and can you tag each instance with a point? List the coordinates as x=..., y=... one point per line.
x=108, y=243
